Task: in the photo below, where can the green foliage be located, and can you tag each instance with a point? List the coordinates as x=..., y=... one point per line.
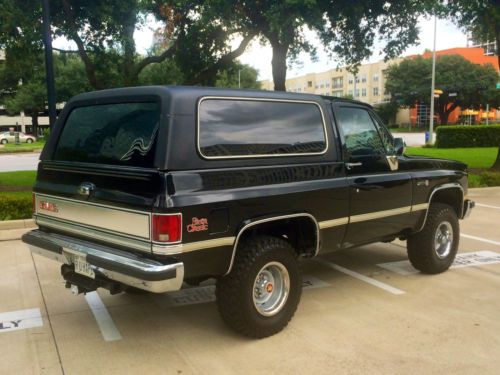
x=473, y=84
x=229, y=77
x=480, y=157
x=468, y=136
x=164, y=73
x=484, y=179
x=15, y=206
x=387, y=112
x=23, y=147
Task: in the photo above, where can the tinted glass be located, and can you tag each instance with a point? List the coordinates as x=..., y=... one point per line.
x=360, y=133
x=247, y=127
x=122, y=134
x=385, y=134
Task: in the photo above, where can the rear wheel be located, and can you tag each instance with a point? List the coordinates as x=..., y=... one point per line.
x=4, y=141
x=433, y=249
x=260, y=295
x=29, y=140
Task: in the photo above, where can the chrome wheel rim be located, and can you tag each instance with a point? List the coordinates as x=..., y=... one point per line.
x=271, y=288
x=443, y=239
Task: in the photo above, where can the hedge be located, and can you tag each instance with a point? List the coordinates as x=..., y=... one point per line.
x=15, y=207
x=468, y=136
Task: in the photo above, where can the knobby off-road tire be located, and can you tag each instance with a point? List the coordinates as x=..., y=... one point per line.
x=433, y=249
x=259, y=264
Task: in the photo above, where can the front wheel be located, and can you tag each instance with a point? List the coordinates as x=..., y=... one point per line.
x=29, y=140
x=260, y=295
x=433, y=249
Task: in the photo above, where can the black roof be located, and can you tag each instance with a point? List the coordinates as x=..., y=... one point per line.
x=198, y=91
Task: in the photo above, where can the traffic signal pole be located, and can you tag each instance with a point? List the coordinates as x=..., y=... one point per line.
x=49, y=63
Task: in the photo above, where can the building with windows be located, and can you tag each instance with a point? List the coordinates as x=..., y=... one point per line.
x=368, y=85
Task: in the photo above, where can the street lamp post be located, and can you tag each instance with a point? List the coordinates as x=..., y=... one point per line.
x=433, y=83
x=49, y=64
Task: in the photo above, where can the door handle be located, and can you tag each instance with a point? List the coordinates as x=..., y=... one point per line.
x=349, y=166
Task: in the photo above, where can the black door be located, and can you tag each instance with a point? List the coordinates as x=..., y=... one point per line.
x=379, y=195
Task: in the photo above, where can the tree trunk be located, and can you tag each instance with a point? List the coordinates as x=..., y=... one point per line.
x=34, y=122
x=130, y=74
x=279, y=65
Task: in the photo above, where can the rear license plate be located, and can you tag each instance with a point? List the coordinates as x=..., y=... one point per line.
x=81, y=266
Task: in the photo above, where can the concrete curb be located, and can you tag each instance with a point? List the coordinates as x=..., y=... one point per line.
x=14, y=229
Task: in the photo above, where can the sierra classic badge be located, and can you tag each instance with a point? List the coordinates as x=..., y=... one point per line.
x=197, y=225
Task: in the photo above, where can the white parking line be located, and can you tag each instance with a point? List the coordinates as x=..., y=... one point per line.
x=487, y=206
x=104, y=321
x=366, y=279
x=480, y=239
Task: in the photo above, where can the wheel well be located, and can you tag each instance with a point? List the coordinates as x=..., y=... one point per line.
x=450, y=196
x=301, y=232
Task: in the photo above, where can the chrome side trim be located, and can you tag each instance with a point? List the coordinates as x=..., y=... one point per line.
x=333, y=223
x=121, y=240
x=393, y=162
x=259, y=100
x=451, y=185
x=267, y=220
x=193, y=246
x=379, y=214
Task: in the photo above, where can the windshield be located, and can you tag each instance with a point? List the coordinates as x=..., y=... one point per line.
x=120, y=134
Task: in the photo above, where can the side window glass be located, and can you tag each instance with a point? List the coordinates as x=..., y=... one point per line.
x=386, y=136
x=361, y=135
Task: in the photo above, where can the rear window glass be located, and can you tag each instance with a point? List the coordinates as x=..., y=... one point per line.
x=246, y=128
x=122, y=134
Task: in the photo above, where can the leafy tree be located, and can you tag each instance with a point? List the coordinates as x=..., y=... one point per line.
x=247, y=77
x=387, y=111
x=347, y=29
x=480, y=17
x=463, y=83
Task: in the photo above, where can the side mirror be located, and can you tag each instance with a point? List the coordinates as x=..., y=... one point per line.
x=399, y=146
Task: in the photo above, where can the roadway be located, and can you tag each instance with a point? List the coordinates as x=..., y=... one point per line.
x=19, y=162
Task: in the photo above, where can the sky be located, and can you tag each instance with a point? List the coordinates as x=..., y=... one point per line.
x=259, y=57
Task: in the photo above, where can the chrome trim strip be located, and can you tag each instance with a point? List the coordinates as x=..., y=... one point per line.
x=267, y=220
x=333, y=223
x=259, y=155
x=131, y=223
x=83, y=248
x=451, y=185
x=121, y=240
x=193, y=246
x=379, y=214
x=166, y=242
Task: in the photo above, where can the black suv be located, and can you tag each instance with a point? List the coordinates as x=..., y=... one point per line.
x=150, y=187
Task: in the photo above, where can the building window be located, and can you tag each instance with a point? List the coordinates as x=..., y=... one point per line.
x=338, y=93
x=338, y=82
x=327, y=85
x=350, y=93
x=356, y=93
x=351, y=80
x=363, y=78
x=375, y=91
x=309, y=84
x=363, y=92
x=375, y=77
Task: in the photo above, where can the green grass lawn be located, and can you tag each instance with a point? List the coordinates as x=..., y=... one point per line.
x=479, y=157
x=23, y=147
x=18, y=178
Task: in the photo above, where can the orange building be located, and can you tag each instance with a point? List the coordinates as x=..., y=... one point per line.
x=475, y=55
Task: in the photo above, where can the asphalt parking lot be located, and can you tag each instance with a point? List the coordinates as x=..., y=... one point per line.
x=361, y=312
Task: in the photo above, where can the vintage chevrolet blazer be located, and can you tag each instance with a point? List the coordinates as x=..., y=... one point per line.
x=152, y=187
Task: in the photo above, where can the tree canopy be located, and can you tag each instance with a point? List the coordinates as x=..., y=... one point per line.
x=463, y=83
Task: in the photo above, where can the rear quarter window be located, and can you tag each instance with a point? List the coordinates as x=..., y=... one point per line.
x=259, y=127
x=119, y=134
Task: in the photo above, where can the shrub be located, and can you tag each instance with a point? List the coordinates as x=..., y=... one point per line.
x=468, y=136
x=484, y=179
x=15, y=207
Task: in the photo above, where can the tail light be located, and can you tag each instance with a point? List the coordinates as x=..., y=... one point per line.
x=34, y=202
x=167, y=228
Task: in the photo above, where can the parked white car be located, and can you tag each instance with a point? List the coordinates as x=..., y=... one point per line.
x=10, y=137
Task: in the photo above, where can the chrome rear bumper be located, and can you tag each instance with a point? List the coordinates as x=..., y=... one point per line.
x=107, y=262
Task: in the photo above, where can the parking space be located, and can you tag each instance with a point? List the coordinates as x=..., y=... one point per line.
x=357, y=315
